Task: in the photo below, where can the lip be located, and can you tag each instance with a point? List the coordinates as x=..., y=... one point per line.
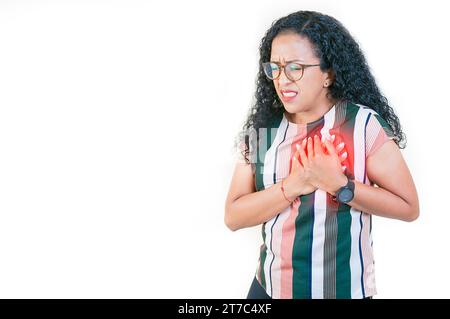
x=288, y=98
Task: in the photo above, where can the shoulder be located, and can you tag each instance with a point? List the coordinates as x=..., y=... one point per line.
x=361, y=109
x=371, y=117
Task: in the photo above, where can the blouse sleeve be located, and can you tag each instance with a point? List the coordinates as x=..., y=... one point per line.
x=378, y=132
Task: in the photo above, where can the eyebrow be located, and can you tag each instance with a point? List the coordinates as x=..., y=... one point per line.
x=296, y=60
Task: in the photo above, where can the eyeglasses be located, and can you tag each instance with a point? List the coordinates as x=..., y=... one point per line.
x=293, y=70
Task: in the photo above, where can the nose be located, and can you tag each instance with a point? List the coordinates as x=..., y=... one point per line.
x=283, y=78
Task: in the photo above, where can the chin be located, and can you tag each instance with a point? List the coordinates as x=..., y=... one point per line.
x=292, y=108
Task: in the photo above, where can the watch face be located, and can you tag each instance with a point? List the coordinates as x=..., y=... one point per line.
x=346, y=195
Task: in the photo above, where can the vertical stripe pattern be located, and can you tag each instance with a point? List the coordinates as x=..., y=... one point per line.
x=320, y=214
x=317, y=247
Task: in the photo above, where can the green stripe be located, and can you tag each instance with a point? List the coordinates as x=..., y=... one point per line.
x=329, y=254
x=259, y=183
x=343, y=249
x=384, y=125
x=269, y=135
x=301, y=252
x=304, y=225
x=344, y=218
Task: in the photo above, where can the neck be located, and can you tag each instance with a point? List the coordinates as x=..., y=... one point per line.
x=312, y=114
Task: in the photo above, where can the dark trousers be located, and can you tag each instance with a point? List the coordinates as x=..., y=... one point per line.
x=257, y=291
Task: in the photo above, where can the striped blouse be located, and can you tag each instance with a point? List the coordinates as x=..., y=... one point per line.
x=317, y=247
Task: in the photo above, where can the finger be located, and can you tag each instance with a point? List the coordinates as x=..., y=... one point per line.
x=296, y=165
x=303, y=157
x=322, y=145
x=297, y=154
x=337, y=140
x=305, y=140
x=333, y=138
x=293, y=166
x=310, y=148
x=323, y=142
x=343, y=156
x=317, y=146
x=344, y=168
x=330, y=148
x=340, y=147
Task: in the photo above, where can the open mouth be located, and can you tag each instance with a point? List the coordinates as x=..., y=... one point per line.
x=288, y=94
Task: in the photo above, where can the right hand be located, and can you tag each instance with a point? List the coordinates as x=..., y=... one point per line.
x=296, y=183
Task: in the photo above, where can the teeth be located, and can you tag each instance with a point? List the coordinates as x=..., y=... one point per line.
x=289, y=94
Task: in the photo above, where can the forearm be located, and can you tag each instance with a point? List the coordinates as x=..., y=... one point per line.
x=256, y=208
x=380, y=202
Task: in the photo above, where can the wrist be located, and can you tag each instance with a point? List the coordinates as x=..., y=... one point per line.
x=340, y=182
x=289, y=190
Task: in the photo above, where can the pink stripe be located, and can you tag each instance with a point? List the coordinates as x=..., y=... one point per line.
x=379, y=141
x=288, y=233
x=286, y=251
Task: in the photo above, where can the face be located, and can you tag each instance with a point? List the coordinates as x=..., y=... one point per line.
x=310, y=90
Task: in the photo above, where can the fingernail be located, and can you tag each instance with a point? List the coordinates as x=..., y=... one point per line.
x=344, y=168
x=344, y=154
x=332, y=138
x=341, y=145
x=297, y=146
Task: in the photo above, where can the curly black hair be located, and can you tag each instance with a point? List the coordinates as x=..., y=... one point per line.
x=338, y=51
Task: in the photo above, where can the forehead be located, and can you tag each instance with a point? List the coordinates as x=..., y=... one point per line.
x=291, y=46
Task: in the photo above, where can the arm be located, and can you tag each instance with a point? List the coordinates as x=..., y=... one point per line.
x=396, y=197
x=244, y=207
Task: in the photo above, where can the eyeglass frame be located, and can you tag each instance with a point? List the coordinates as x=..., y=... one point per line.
x=282, y=69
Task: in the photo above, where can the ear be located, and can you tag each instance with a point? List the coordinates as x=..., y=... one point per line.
x=330, y=76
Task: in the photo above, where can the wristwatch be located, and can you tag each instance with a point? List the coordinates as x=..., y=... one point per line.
x=345, y=193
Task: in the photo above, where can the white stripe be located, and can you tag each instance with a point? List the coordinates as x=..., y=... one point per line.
x=283, y=156
x=373, y=112
x=359, y=170
x=369, y=280
x=320, y=213
x=269, y=162
x=366, y=239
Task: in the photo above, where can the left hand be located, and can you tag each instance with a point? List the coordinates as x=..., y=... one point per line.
x=323, y=169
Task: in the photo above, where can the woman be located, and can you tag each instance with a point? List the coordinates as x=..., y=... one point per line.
x=320, y=156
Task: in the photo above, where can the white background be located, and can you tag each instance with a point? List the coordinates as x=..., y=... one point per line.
x=117, y=122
